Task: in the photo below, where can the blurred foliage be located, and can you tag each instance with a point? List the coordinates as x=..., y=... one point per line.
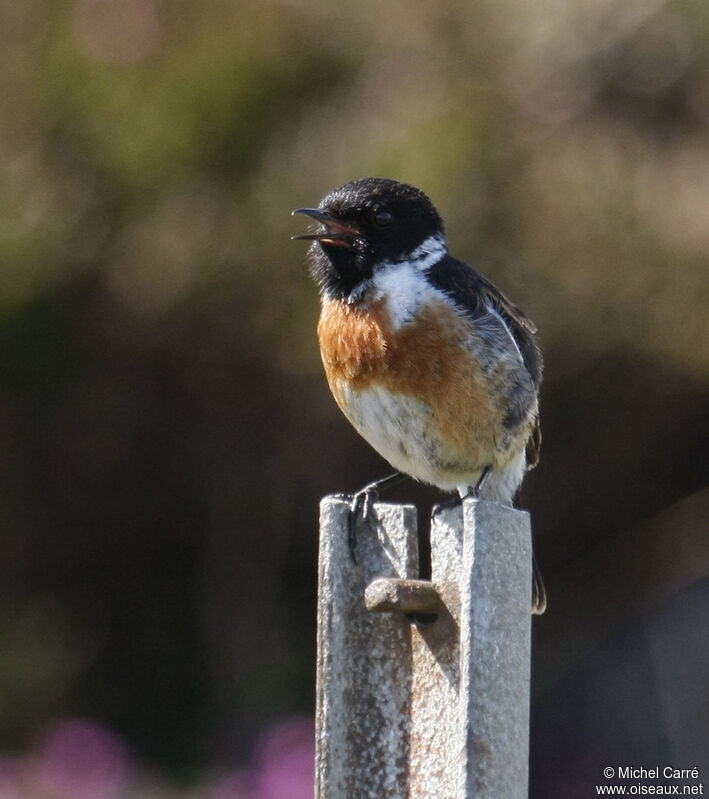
x=165, y=428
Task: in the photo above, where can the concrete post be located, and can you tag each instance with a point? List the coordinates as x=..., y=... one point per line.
x=364, y=659
x=437, y=710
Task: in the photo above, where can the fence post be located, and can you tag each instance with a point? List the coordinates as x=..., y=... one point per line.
x=364, y=659
x=437, y=710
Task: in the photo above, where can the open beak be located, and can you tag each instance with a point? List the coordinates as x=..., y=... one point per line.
x=334, y=231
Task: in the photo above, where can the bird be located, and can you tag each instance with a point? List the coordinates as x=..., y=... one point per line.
x=431, y=363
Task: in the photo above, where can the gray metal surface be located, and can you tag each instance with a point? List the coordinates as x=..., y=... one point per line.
x=439, y=710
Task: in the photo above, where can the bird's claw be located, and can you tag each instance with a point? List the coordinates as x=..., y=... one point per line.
x=361, y=507
x=362, y=502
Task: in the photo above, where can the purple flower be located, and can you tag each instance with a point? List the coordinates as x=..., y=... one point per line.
x=237, y=785
x=12, y=778
x=284, y=762
x=80, y=759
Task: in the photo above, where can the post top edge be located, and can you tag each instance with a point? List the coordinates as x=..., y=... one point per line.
x=339, y=500
x=492, y=502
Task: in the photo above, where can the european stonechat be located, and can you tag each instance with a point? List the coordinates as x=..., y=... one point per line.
x=428, y=360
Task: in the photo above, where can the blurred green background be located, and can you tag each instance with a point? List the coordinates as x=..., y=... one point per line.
x=165, y=428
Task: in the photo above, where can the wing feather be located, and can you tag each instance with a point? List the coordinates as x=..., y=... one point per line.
x=476, y=295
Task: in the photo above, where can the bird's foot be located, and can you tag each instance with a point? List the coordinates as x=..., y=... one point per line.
x=477, y=488
x=361, y=505
x=472, y=493
x=447, y=504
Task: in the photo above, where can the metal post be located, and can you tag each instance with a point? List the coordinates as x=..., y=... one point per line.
x=410, y=709
x=364, y=659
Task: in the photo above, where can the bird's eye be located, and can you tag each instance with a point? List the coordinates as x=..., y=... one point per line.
x=382, y=219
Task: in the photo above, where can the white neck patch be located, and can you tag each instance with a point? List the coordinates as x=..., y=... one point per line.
x=404, y=284
x=428, y=253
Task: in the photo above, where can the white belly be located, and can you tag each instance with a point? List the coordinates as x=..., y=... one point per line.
x=402, y=430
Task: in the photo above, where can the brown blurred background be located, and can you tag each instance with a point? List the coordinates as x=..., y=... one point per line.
x=166, y=432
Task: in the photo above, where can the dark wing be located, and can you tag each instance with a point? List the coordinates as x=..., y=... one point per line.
x=476, y=295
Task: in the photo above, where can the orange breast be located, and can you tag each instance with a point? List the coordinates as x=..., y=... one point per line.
x=429, y=359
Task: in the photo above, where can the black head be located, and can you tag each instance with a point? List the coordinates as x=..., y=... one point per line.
x=365, y=224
